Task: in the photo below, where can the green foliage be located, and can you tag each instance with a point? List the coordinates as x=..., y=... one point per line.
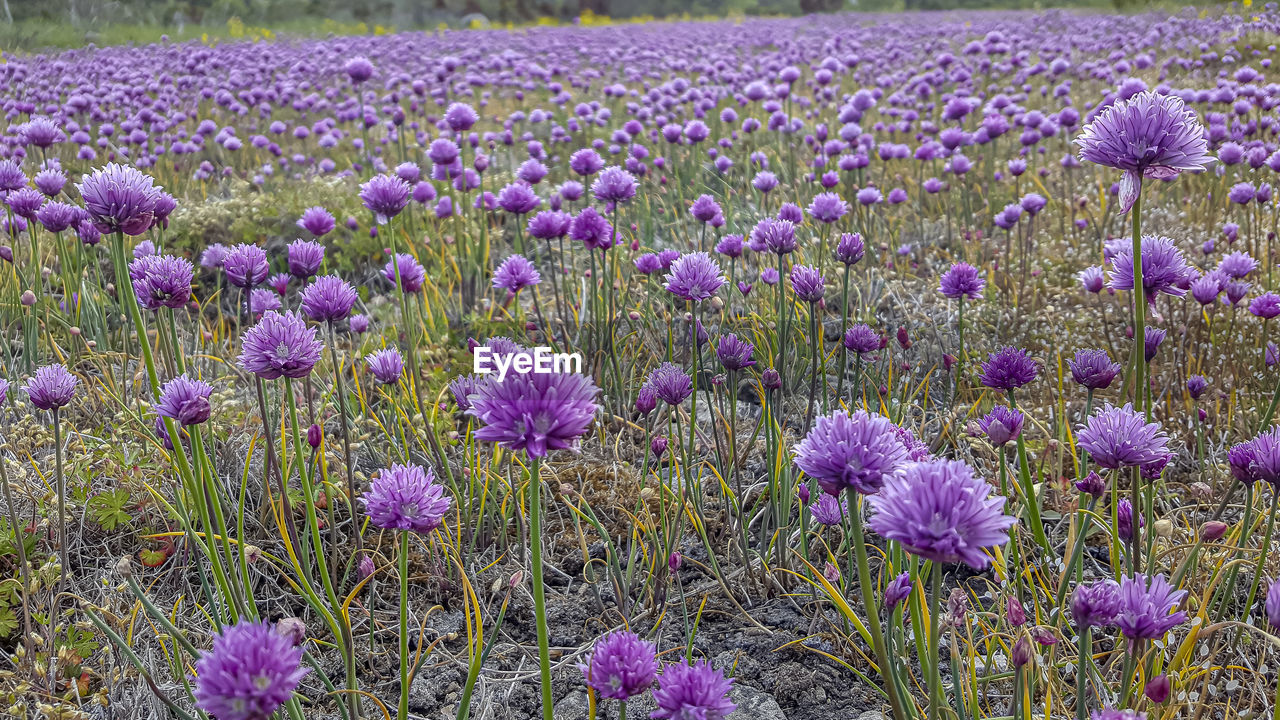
x=74, y=23
x=108, y=509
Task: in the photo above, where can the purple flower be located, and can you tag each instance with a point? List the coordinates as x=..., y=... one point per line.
x=591, y=229
x=941, y=512
x=1236, y=265
x=1151, y=342
x=1205, y=289
x=161, y=281
x=518, y=199
x=614, y=185
x=1148, y=135
x=387, y=366
x=280, y=345
x=828, y=207
x=251, y=671
x=621, y=666
x=1119, y=437
x=764, y=181
x=305, y=257
x=358, y=324
x=1164, y=269
x=214, y=256
x=1091, y=278
x=119, y=199
x=1242, y=193
x=1096, y=604
x=807, y=283
x=776, y=236
x=1272, y=604
x=586, y=162
x=443, y=151
x=515, y=274
x=246, y=266
x=827, y=510
x=41, y=132
x=730, y=246
x=850, y=249
x=410, y=271
x=52, y=387
x=1093, y=369
x=57, y=216
x=734, y=353
x=861, y=339
x=328, y=298
x=317, y=221
x=1265, y=306
x=26, y=202
x=648, y=264
x=185, y=401
x=535, y=412
x=1111, y=714
x=670, y=383
x=1147, y=607
x=460, y=117
x=1008, y=368
x=898, y=590
x=359, y=69
x=385, y=196
x=692, y=692
x=1265, y=456
x=694, y=277
x=1002, y=425
x=962, y=281
x=406, y=497
x=549, y=224
x=1196, y=385
x=705, y=208
x=262, y=300
x=858, y=451
x=1124, y=519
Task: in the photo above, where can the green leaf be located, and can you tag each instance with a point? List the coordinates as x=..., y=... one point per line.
x=107, y=509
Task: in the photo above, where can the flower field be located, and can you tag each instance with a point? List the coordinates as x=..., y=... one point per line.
x=845, y=366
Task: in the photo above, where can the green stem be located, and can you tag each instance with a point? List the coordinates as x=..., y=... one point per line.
x=1139, y=363
x=858, y=541
x=1082, y=672
x=539, y=593
x=935, y=633
x=1262, y=558
x=403, y=561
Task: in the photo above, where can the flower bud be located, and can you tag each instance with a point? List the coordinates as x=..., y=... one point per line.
x=1021, y=654
x=831, y=572
x=1044, y=635
x=28, y=298
x=803, y=494
x=314, y=436
x=658, y=446
x=365, y=568
x=1014, y=612
x=675, y=561
x=1157, y=690
x=1213, y=530
x=293, y=628
x=770, y=379
x=1092, y=485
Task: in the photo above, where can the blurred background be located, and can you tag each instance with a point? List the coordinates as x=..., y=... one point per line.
x=36, y=24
